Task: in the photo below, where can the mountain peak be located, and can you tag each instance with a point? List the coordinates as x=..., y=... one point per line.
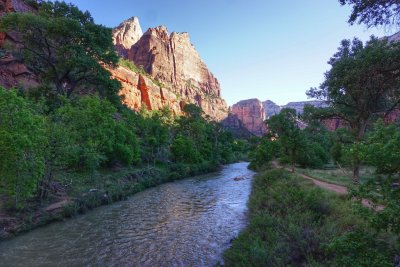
x=126, y=34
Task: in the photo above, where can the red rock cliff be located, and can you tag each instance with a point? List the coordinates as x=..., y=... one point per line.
x=251, y=113
x=126, y=35
x=12, y=72
x=174, y=62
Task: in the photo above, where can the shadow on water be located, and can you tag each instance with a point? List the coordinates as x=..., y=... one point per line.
x=184, y=223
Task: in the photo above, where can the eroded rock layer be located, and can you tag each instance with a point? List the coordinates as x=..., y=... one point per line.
x=126, y=35
x=12, y=72
x=172, y=62
x=252, y=115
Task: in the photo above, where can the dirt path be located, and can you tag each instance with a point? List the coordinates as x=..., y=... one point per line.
x=338, y=189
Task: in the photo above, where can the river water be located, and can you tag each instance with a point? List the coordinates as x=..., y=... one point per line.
x=184, y=223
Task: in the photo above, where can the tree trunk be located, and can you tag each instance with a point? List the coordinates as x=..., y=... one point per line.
x=356, y=157
x=356, y=174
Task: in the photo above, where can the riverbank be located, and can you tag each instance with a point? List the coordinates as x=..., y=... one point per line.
x=189, y=222
x=294, y=223
x=104, y=187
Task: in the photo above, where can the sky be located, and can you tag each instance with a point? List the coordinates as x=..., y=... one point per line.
x=263, y=49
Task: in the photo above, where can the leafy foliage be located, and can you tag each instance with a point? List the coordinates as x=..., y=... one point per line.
x=308, y=148
x=65, y=48
x=22, y=143
x=100, y=136
x=293, y=223
x=374, y=12
x=382, y=150
x=362, y=84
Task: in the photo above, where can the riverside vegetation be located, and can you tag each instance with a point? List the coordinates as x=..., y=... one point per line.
x=70, y=141
x=293, y=223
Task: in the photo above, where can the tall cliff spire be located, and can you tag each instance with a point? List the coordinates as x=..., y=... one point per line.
x=126, y=35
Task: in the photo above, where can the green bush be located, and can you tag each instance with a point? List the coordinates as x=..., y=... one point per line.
x=293, y=223
x=23, y=144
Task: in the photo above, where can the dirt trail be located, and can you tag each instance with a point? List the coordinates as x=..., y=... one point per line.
x=338, y=189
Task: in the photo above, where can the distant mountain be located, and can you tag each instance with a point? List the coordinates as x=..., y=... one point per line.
x=299, y=106
x=252, y=115
x=394, y=37
x=272, y=109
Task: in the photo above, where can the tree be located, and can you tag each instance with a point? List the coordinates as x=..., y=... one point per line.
x=100, y=135
x=22, y=147
x=363, y=83
x=64, y=47
x=264, y=152
x=284, y=128
x=374, y=12
x=154, y=132
x=381, y=149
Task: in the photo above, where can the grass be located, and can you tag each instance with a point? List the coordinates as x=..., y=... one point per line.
x=337, y=175
x=293, y=223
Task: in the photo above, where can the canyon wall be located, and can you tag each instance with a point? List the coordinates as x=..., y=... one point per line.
x=252, y=115
x=173, y=66
x=12, y=72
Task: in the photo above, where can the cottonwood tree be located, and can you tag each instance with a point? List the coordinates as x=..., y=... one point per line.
x=22, y=148
x=363, y=82
x=374, y=12
x=283, y=127
x=64, y=47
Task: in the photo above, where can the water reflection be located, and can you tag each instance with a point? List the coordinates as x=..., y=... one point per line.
x=185, y=223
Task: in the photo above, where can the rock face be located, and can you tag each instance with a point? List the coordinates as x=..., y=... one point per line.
x=252, y=115
x=140, y=91
x=12, y=72
x=393, y=116
x=299, y=106
x=271, y=108
x=126, y=35
x=234, y=125
x=172, y=62
x=394, y=38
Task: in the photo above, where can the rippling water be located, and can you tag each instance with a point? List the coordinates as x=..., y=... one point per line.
x=184, y=223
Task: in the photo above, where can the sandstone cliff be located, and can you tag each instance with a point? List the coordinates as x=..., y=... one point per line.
x=126, y=35
x=252, y=115
x=299, y=106
x=174, y=66
x=12, y=72
x=271, y=108
x=234, y=125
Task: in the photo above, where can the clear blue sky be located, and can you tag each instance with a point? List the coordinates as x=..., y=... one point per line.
x=261, y=49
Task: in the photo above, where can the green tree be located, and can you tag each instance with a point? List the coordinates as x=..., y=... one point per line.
x=154, y=132
x=100, y=135
x=22, y=147
x=284, y=128
x=374, y=12
x=263, y=152
x=64, y=47
x=363, y=83
x=183, y=150
x=381, y=149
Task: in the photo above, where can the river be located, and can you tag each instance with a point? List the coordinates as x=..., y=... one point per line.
x=185, y=223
